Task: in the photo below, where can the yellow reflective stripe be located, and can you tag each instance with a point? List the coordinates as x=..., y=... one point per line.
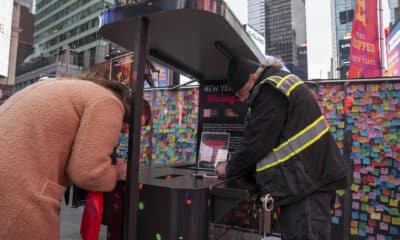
x=299, y=133
x=270, y=78
x=294, y=152
x=283, y=79
x=293, y=87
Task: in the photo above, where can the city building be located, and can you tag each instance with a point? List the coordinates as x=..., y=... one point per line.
x=285, y=30
x=19, y=43
x=394, y=6
x=73, y=25
x=344, y=12
x=28, y=4
x=256, y=15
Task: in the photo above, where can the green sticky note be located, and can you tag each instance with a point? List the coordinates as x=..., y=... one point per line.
x=158, y=236
x=366, y=188
x=141, y=205
x=375, y=172
x=362, y=225
x=394, y=211
x=389, y=162
x=364, y=207
x=340, y=192
x=384, y=199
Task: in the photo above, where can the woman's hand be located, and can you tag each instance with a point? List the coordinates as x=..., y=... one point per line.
x=220, y=170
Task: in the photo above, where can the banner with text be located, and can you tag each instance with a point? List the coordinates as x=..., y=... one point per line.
x=364, y=50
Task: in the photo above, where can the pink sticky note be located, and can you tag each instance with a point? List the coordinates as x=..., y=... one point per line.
x=379, y=208
x=355, y=205
x=383, y=226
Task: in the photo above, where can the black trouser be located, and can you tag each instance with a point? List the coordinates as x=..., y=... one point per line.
x=308, y=219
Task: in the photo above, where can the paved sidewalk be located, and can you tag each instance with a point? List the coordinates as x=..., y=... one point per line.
x=71, y=223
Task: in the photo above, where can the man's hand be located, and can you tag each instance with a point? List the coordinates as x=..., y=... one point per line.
x=220, y=170
x=121, y=167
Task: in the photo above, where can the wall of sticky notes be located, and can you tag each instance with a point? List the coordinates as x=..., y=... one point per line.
x=367, y=129
x=172, y=136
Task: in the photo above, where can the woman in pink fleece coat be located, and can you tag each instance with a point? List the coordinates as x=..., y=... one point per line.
x=52, y=134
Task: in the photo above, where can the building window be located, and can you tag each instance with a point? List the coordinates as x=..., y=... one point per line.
x=346, y=16
x=92, y=56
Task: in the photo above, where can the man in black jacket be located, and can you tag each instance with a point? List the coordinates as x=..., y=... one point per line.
x=289, y=146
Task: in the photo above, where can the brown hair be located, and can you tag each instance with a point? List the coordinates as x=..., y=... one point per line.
x=146, y=111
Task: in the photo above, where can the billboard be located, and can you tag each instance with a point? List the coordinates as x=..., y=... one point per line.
x=6, y=9
x=121, y=68
x=364, y=50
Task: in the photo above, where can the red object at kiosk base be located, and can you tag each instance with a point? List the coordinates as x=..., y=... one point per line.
x=92, y=215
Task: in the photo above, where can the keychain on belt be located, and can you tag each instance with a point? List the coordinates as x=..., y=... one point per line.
x=265, y=218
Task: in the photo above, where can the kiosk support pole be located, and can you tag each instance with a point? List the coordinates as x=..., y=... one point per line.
x=132, y=194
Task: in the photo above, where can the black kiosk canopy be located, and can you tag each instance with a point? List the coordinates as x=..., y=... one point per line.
x=194, y=37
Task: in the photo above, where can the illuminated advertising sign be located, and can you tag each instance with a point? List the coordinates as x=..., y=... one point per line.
x=6, y=9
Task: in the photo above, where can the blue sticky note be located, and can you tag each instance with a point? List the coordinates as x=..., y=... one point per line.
x=395, y=122
x=366, y=161
x=335, y=220
x=374, y=203
x=394, y=231
x=364, y=133
x=378, y=182
x=362, y=233
x=355, y=215
x=363, y=217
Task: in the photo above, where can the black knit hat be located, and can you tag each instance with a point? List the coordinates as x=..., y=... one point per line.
x=239, y=71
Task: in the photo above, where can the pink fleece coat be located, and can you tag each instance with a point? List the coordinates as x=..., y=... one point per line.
x=53, y=133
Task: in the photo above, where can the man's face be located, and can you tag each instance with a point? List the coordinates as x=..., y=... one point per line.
x=244, y=92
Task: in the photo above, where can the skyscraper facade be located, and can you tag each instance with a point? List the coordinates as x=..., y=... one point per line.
x=73, y=25
x=256, y=15
x=344, y=12
x=285, y=30
x=394, y=6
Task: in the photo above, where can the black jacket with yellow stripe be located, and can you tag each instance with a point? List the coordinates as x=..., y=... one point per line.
x=287, y=142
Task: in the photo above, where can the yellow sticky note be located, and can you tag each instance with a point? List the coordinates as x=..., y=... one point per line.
x=396, y=221
x=377, y=216
x=353, y=231
x=355, y=187
x=394, y=202
x=364, y=198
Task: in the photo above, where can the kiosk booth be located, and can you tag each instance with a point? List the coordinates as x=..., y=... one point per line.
x=196, y=38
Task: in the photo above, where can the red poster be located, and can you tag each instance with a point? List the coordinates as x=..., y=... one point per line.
x=121, y=68
x=364, y=51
